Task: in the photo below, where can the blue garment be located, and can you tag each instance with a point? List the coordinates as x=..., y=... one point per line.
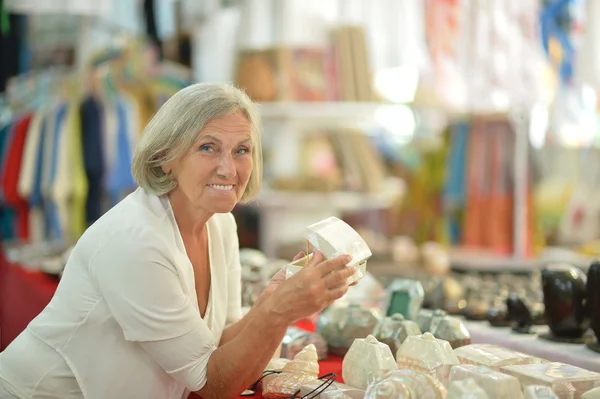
x=455, y=192
x=7, y=215
x=93, y=156
x=120, y=179
x=52, y=217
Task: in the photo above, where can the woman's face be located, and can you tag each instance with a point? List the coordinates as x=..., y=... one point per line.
x=213, y=174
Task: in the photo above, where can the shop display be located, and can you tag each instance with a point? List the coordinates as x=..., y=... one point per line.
x=443, y=293
x=365, y=359
x=465, y=389
x=341, y=325
x=405, y=384
x=427, y=354
x=334, y=237
x=451, y=329
x=436, y=260
x=493, y=357
x=565, y=380
x=494, y=383
x=593, y=303
x=405, y=297
x=539, y=392
x=394, y=330
x=564, y=289
x=302, y=369
x=296, y=339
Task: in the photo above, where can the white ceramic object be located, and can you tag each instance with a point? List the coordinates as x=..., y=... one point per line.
x=302, y=369
x=493, y=356
x=592, y=394
x=365, y=359
x=427, y=354
x=465, y=389
x=405, y=384
x=539, y=392
x=565, y=380
x=333, y=237
x=494, y=383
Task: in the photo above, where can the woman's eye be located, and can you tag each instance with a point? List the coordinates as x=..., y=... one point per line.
x=243, y=151
x=206, y=148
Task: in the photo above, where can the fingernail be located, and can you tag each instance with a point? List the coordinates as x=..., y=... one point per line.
x=347, y=258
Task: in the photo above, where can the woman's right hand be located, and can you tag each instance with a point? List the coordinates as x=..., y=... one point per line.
x=312, y=289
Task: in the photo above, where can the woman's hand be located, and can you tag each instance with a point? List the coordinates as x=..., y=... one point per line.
x=312, y=289
x=279, y=277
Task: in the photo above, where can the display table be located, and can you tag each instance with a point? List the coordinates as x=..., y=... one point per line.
x=574, y=354
x=23, y=295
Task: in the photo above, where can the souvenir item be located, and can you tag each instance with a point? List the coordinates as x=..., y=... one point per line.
x=592, y=394
x=539, y=392
x=494, y=383
x=519, y=314
x=406, y=298
x=341, y=325
x=465, y=389
x=427, y=354
x=436, y=318
x=493, y=356
x=453, y=330
x=333, y=237
x=334, y=391
x=565, y=380
x=365, y=359
x=564, y=289
x=436, y=259
x=302, y=369
x=296, y=339
x=393, y=330
x=277, y=364
x=405, y=384
x=593, y=303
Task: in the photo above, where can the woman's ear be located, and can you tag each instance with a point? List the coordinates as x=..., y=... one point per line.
x=166, y=169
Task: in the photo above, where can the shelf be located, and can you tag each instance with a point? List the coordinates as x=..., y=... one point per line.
x=341, y=201
x=322, y=110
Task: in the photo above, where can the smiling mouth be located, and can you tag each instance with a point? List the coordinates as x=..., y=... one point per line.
x=221, y=187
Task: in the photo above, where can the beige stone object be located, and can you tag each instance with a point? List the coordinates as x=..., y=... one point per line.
x=365, y=359
x=539, y=392
x=494, y=383
x=427, y=354
x=302, y=369
x=493, y=356
x=465, y=389
x=452, y=329
x=565, y=380
x=394, y=330
x=592, y=394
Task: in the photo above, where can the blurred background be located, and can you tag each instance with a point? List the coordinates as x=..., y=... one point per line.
x=469, y=124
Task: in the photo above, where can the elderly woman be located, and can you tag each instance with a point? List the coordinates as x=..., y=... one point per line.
x=149, y=303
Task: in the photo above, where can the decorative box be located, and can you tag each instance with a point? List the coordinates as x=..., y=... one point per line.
x=341, y=325
x=565, y=380
x=465, y=389
x=494, y=383
x=394, y=330
x=365, y=359
x=427, y=354
x=334, y=237
x=493, y=356
x=405, y=297
x=405, y=384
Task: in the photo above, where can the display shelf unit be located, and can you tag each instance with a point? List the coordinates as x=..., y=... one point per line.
x=321, y=111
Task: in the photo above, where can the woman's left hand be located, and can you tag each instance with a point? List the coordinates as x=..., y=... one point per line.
x=279, y=277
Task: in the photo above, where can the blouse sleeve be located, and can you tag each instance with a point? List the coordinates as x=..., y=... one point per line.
x=143, y=292
x=234, y=278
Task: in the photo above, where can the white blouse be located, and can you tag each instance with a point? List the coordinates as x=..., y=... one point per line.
x=124, y=322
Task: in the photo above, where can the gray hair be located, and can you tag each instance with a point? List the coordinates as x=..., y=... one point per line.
x=174, y=129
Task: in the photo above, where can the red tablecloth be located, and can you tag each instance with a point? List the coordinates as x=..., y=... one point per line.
x=23, y=294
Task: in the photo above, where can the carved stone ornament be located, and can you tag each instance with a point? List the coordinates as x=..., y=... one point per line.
x=494, y=383
x=302, y=369
x=365, y=359
x=405, y=384
x=465, y=389
x=394, y=330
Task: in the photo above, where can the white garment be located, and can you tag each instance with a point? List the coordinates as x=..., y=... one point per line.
x=126, y=310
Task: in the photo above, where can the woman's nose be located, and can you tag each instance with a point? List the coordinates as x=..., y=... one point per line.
x=226, y=166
